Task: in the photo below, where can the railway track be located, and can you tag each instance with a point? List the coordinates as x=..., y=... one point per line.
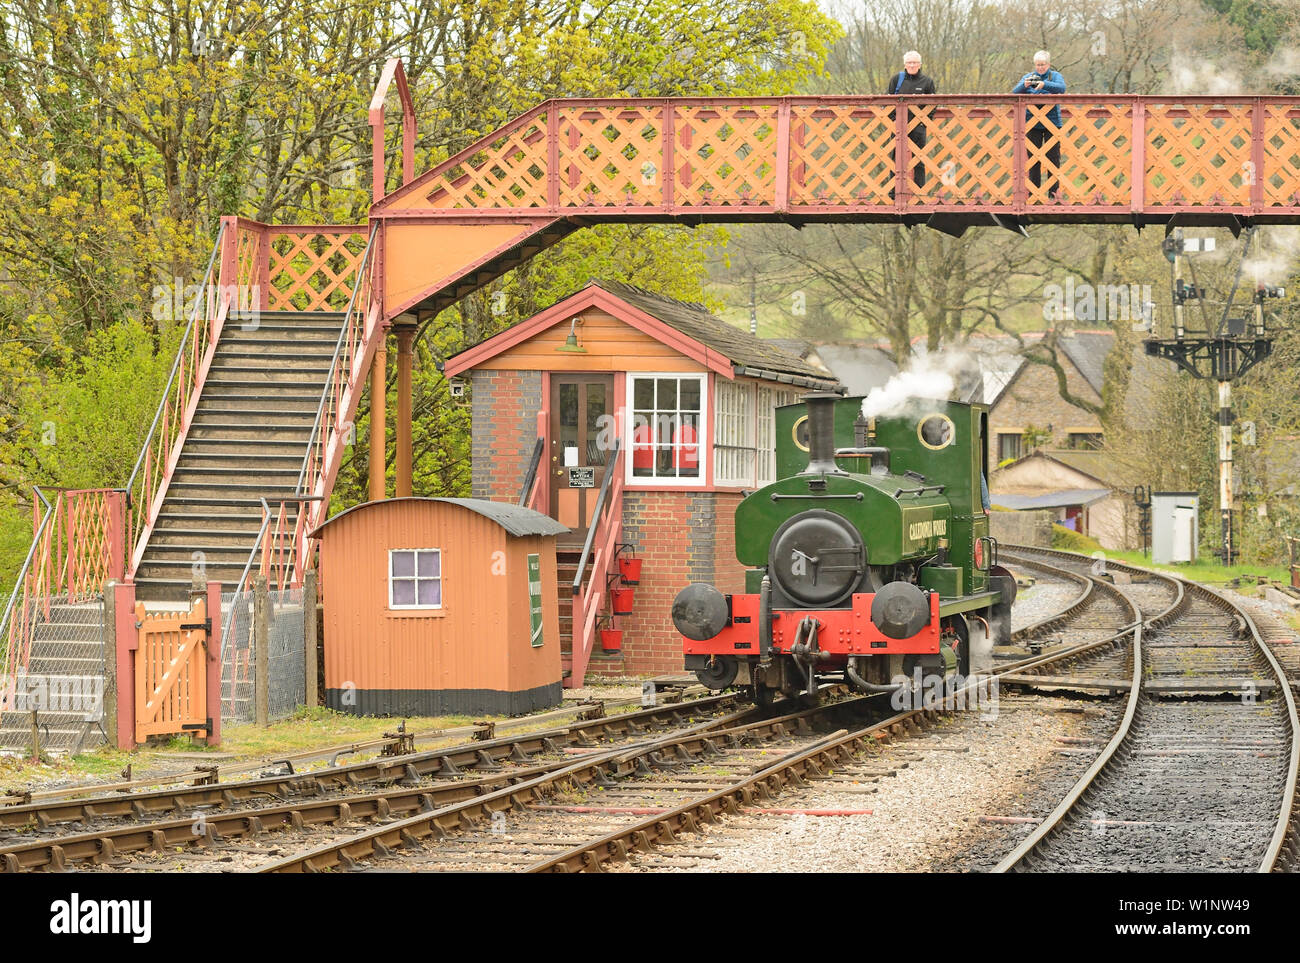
x=510, y=829
x=35, y=834
x=1201, y=773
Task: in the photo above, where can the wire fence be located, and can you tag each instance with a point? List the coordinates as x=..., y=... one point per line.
x=286, y=682
x=237, y=679
x=285, y=662
x=60, y=675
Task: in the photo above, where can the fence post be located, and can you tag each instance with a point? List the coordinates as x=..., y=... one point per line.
x=126, y=641
x=261, y=637
x=309, y=637
x=108, y=651
x=214, y=663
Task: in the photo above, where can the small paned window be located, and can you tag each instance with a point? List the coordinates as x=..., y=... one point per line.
x=415, y=578
x=667, y=428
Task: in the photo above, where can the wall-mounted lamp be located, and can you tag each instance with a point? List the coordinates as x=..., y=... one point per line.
x=571, y=342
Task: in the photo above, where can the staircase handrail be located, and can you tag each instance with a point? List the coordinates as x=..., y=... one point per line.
x=8, y=667
x=331, y=382
x=145, y=502
x=596, y=518
x=259, y=547
x=601, y=546
x=531, y=478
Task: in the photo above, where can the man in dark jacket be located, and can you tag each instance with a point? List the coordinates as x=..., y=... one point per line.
x=908, y=82
x=1044, y=80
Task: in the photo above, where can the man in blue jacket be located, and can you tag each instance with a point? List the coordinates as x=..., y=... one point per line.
x=1044, y=80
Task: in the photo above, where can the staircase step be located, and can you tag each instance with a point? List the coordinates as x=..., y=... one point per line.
x=282, y=334
x=249, y=370
x=56, y=630
x=269, y=447
x=64, y=665
x=151, y=589
x=243, y=400
x=239, y=463
x=212, y=554
x=240, y=433
x=229, y=521
x=214, y=415
x=254, y=344
x=230, y=470
x=205, y=539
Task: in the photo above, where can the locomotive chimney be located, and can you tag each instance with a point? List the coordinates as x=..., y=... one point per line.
x=821, y=434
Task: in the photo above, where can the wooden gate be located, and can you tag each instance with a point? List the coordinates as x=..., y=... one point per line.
x=171, y=673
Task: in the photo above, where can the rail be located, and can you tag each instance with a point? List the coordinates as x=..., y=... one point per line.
x=161, y=449
x=339, y=398
x=600, y=548
x=530, y=479
x=1185, y=590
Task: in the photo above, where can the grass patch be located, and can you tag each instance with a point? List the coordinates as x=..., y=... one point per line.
x=320, y=727
x=1204, y=571
x=1070, y=541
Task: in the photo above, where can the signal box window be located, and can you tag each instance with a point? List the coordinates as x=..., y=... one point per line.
x=1081, y=439
x=667, y=429
x=415, y=578
x=1008, y=446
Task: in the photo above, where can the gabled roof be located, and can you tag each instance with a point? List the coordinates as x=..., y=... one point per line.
x=1088, y=350
x=1087, y=463
x=514, y=519
x=684, y=326
x=1091, y=462
x=696, y=321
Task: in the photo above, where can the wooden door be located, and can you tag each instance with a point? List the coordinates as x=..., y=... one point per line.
x=582, y=432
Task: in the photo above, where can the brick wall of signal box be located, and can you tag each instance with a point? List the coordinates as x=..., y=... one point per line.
x=681, y=537
x=503, y=431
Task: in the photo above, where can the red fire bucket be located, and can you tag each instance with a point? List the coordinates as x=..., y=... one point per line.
x=621, y=599
x=611, y=640
x=630, y=570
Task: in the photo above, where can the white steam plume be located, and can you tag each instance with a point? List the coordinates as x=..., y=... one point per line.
x=929, y=378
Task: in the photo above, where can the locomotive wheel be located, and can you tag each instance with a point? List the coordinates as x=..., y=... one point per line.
x=719, y=672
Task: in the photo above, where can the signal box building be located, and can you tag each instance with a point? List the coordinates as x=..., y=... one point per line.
x=665, y=408
x=440, y=606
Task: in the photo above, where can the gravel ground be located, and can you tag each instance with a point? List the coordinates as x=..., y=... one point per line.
x=1047, y=597
x=925, y=815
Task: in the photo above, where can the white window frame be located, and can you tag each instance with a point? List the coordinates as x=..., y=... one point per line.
x=722, y=448
x=765, y=429
x=703, y=439
x=441, y=579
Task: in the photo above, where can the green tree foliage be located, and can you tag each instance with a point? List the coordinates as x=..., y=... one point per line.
x=130, y=130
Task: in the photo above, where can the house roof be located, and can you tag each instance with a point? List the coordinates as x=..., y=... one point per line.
x=741, y=348
x=1097, y=464
x=1091, y=464
x=514, y=519
x=1088, y=350
x=684, y=326
x=1063, y=498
